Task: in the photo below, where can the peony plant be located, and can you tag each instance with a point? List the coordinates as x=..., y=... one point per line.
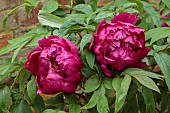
x=89, y=58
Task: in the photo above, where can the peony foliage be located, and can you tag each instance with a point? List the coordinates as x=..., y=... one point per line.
x=84, y=57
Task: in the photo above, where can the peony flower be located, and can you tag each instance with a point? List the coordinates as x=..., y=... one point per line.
x=56, y=65
x=119, y=44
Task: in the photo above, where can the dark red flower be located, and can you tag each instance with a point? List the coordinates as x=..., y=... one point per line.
x=119, y=44
x=56, y=65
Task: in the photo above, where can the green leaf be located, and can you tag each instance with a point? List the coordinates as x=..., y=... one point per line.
x=131, y=106
x=33, y=2
x=140, y=72
x=32, y=89
x=38, y=104
x=90, y=57
x=108, y=83
x=85, y=40
x=157, y=33
x=160, y=48
x=129, y=5
x=51, y=6
x=58, y=99
x=163, y=61
x=23, y=77
x=149, y=100
x=95, y=98
x=103, y=15
x=74, y=108
x=8, y=70
x=167, y=3
x=153, y=14
x=18, y=49
x=146, y=81
x=124, y=87
x=85, y=8
x=22, y=107
x=141, y=103
x=51, y=20
x=16, y=43
x=52, y=111
x=93, y=4
x=121, y=87
x=164, y=101
x=4, y=98
x=102, y=105
x=92, y=84
x=66, y=26
x=12, y=12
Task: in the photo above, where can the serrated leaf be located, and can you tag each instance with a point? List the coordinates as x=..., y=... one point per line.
x=102, y=105
x=51, y=6
x=22, y=107
x=140, y=72
x=51, y=20
x=4, y=98
x=32, y=89
x=85, y=40
x=146, y=81
x=92, y=84
x=149, y=100
x=85, y=8
x=163, y=61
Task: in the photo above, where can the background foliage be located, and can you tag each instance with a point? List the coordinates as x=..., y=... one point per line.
x=133, y=90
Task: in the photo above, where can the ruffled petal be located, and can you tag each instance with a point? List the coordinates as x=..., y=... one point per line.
x=125, y=17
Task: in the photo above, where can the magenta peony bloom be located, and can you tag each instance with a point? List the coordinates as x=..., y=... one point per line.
x=119, y=44
x=56, y=65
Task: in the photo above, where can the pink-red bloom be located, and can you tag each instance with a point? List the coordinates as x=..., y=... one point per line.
x=119, y=44
x=56, y=65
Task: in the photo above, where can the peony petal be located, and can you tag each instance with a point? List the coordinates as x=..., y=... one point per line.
x=32, y=62
x=45, y=42
x=125, y=17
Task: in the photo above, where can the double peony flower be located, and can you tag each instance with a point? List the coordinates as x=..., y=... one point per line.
x=56, y=65
x=117, y=45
